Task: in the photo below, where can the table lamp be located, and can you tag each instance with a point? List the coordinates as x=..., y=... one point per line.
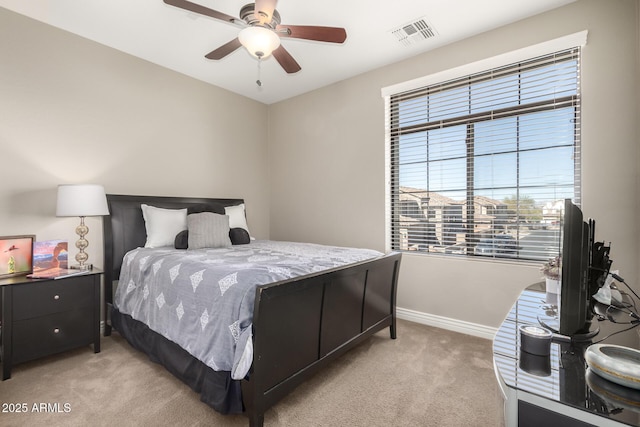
x=81, y=200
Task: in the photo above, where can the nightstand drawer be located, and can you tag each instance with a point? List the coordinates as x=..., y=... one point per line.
x=50, y=334
x=53, y=296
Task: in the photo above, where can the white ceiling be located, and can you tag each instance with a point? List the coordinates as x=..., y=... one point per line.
x=178, y=40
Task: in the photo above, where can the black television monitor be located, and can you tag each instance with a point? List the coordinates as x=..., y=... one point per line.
x=585, y=266
x=575, y=315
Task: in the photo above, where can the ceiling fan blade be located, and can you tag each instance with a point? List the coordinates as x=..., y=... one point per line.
x=285, y=60
x=193, y=7
x=321, y=34
x=263, y=10
x=224, y=50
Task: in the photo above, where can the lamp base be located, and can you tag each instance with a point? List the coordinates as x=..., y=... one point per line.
x=81, y=267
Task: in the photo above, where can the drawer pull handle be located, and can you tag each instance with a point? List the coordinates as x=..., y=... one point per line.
x=56, y=297
x=56, y=331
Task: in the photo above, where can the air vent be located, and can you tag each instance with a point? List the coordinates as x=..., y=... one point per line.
x=414, y=32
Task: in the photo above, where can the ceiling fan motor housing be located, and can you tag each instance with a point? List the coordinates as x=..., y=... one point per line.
x=248, y=15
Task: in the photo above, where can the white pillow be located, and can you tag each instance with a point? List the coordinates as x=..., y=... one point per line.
x=237, y=217
x=163, y=225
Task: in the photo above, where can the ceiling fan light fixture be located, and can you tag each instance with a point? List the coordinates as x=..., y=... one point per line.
x=259, y=41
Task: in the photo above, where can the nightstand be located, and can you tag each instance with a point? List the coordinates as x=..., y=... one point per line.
x=41, y=317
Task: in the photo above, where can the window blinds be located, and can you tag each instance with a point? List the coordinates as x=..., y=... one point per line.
x=479, y=165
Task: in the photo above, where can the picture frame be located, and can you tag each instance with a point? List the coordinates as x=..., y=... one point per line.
x=50, y=254
x=16, y=255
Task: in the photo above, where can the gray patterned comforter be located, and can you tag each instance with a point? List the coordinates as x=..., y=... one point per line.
x=203, y=299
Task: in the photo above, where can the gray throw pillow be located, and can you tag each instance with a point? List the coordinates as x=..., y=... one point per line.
x=208, y=230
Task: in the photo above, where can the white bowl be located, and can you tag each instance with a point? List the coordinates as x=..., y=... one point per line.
x=615, y=363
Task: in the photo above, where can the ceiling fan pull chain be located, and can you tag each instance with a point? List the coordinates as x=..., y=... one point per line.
x=259, y=82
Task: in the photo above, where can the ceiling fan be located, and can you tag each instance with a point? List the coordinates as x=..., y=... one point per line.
x=262, y=31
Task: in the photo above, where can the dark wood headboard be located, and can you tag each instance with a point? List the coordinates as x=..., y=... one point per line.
x=124, y=228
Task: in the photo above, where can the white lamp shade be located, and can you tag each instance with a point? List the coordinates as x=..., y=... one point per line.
x=81, y=200
x=259, y=41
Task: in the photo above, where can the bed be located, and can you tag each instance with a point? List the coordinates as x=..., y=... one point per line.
x=292, y=326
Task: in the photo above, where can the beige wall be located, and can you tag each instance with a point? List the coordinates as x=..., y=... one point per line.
x=326, y=158
x=74, y=111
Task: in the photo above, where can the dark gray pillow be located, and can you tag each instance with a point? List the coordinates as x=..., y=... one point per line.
x=182, y=240
x=208, y=230
x=239, y=236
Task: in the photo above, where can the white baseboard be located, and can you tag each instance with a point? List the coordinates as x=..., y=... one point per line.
x=446, y=323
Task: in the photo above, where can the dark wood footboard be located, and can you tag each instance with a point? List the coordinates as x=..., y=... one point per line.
x=301, y=325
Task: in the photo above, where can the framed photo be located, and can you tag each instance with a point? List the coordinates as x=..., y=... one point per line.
x=16, y=255
x=50, y=254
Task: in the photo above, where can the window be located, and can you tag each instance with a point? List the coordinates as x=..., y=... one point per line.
x=480, y=165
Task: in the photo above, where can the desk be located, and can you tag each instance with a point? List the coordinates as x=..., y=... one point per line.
x=558, y=390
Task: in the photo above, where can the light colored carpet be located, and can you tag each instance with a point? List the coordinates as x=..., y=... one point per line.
x=426, y=377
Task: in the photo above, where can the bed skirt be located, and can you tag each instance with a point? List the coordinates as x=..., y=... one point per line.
x=216, y=388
